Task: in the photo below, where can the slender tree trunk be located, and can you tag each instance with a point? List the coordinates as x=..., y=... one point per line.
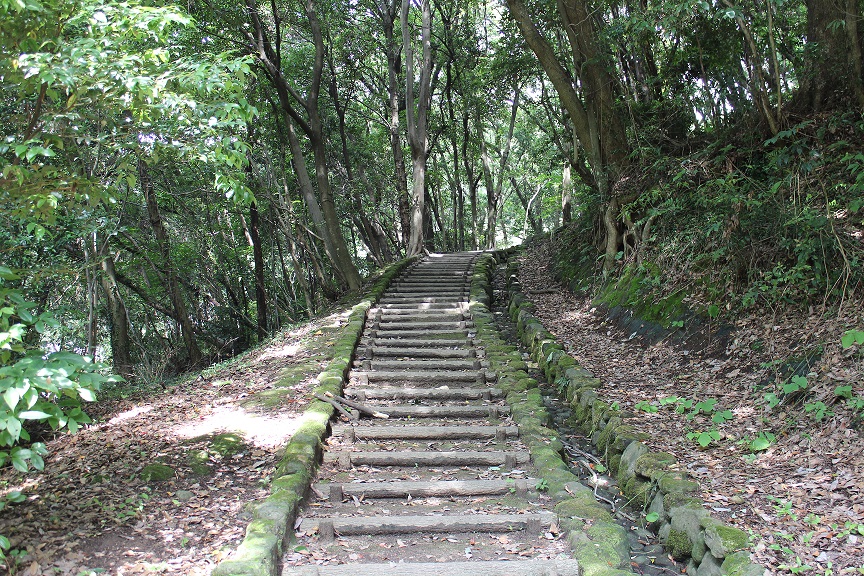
x=121, y=344
x=170, y=270
x=260, y=286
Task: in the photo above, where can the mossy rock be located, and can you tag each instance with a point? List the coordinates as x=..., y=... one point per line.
x=652, y=464
x=674, y=482
x=723, y=540
x=157, y=472
x=679, y=545
x=739, y=564
x=199, y=462
x=226, y=444
x=583, y=509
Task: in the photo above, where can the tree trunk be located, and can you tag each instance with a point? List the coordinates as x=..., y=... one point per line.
x=388, y=11
x=832, y=69
x=121, y=345
x=169, y=268
x=260, y=287
x=415, y=115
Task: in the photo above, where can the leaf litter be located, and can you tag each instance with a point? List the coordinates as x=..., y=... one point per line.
x=802, y=498
x=218, y=433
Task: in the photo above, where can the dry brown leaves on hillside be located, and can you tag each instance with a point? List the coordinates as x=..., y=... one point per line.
x=91, y=511
x=803, y=497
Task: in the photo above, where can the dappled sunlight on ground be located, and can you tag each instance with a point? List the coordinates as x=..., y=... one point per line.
x=262, y=431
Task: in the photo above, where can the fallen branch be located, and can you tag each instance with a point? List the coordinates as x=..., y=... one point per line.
x=357, y=406
x=337, y=406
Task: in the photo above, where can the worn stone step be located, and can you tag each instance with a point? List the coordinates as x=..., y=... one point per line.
x=327, y=528
x=370, y=352
x=421, y=300
x=471, y=411
x=416, y=334
x=429, y=306
x=421, y=364
x=404, y=458
x=425, y=289
x=560, y=567
x=388, y=432
x=423, y=343
x=409, y=311
x=422, y=322
x=397, y=393
x=419, y=376
x=437, y=488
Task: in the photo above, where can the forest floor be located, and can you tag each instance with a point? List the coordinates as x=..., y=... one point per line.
x=801, y=498
x=100, y=505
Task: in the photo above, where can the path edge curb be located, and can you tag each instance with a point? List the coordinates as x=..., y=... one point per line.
x=273, y=518
x=686, y=528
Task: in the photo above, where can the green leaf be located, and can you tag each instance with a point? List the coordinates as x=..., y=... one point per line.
x=759, y=444
x=7, y=274
x=652, y=517
x=87, y=394
x=13, y=395
x=15, y=496
x=4, y=542
x=33, y=415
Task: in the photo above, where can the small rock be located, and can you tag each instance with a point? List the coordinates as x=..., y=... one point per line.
x=184, y=495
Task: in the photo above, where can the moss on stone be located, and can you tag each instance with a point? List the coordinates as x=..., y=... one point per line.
x=679, y=544
x=199, y=462
x=582, y=508
x=652, y=464
x=739, y=564
x=156, y=472
x=722, y=540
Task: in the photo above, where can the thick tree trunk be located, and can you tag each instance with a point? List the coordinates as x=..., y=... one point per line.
x=169, y=268
x=415, y=115
x=388, y=11
x=832, y=69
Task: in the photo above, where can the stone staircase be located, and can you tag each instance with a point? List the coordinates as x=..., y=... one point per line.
x=443, y=485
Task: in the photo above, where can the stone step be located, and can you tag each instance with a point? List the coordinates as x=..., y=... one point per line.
x=387, y=432
x=421, y=322
x=404, y=458
x=420, y=376
x=417, y=334
x=560, y=567
x=438, y=488
x=426, y=344
x=403, y=299
x=421, y=364
x=422, y=288
x=396, y=393
x=327, y=528
x=429, y=306
x=470, y=411
x=401, y=313
x=370, y=352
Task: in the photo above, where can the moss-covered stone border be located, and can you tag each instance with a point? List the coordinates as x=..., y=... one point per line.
x=598, y=542
x=652, y=480
x=273, y=518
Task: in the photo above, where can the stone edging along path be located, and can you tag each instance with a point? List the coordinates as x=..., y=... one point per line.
x=274, y=517
x=652, y=480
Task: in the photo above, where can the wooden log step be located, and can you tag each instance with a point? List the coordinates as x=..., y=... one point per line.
x=456, y=524
x=432, y=458
x=560, y=567
x=472, y=411
x=425, y=364
x=405, y=352
x=381, y=432
x=438, y=488
x=417, y=376
x=397, y=393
